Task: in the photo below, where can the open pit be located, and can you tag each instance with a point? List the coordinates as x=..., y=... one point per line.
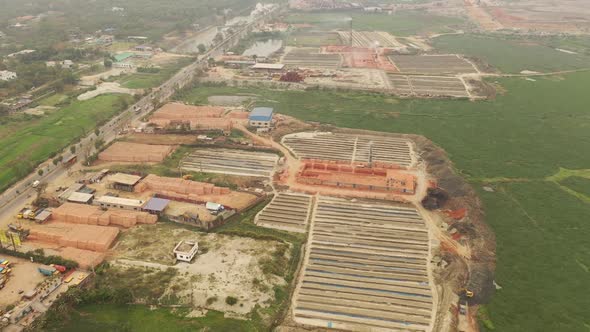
x=233, y=162
x=352, y=148
x=365, y=269
x=288, y=212
x=135, y=152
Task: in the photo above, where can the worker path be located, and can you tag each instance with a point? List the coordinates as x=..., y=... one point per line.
x=366, y=269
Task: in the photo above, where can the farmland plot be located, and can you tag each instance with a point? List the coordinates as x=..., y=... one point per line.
x=227, y=161
x=366, y=268
x=370, y=39
x=344, y=147
x=432, y=64
x=288, y=212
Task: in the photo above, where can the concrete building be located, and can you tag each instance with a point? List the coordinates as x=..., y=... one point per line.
x=268, y=66
x=6, y=75
x=119, y=202
x=64, y=196
x=156, y=205
x=81, y=198
x=186, y=250
x=260, y=117
x=125, y=182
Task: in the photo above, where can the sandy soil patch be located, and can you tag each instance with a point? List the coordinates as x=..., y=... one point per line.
x=108, y=87
x=95, y=79
x=24, y=277
x=225, y=265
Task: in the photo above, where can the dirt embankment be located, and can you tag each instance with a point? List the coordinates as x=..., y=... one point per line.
x=476, y=273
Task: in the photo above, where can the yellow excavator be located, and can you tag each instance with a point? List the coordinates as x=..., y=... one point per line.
x=466, y=292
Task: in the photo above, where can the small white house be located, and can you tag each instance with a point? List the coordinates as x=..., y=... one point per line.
x=186, y=250
x=6, y=75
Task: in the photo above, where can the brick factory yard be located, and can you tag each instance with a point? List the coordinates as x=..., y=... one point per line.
x=286, y=211
x=311, y=57
x=366, y=268
x=233, y=162
x=418, y=85
x=135, y=152
x=24, y=277
x=432, y=64
x=348, y=147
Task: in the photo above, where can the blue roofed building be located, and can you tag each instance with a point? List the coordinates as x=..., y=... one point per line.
x=261, y=117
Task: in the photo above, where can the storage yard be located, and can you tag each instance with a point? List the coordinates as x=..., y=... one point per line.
x=233, y=162
x=366, y=269
x=288, y=212
x=405, y=85
x=134, y=152
x=432, y=64
x=351, y=148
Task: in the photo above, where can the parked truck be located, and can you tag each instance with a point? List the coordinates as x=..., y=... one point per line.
x=60, y=268
x=46, y=270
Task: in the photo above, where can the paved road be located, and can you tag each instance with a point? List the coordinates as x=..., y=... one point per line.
x=18, y=194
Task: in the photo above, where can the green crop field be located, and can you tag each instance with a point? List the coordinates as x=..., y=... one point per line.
x=30, y=141
x=105, y=317
x=580, y=185
x=513, y=55
x=516, y=144
x=404, y=23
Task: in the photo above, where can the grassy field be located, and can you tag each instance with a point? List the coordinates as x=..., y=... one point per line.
x=515, y=144
x=26, y=142
x=578, y=184
x=152, y=80
x=512, y=55
x=105, y=317
x=404, y=23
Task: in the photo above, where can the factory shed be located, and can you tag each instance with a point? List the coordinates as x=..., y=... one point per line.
x=43, y=216
x=156, y=205
x=79, y=197
x=269, y=66
x=68, y=192
x=119, y=202
x=261, y=117
x=125, y=182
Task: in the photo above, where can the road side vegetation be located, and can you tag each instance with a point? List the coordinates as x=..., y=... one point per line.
x=514, y=145
x=26, y=141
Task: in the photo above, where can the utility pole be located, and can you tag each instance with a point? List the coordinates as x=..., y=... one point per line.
x=350, y=32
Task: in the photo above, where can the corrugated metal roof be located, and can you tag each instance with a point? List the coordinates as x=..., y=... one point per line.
x=112, y=200
x=126, y=179
x=275, y=66
x=156, y=204
x=79, y=197
x=261, y=114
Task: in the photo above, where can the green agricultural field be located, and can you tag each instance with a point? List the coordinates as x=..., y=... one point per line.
x=513, y=55
x=578, y=184
x=106, y=317
x=404, y=23
x=26, y=142
x=151, y=80
x=517, y=144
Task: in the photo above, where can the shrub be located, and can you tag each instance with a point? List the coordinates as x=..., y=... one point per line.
x=231, y=300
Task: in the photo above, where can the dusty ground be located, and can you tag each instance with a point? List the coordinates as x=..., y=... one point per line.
x=168, y=139
x=225, y=265
x=94, y=79
x=108, y=87
x=24, y=277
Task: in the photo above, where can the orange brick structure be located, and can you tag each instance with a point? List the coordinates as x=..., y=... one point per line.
x=86, y=237
x=135, y=152
x=356, y=177
x=180, y=189
x=86, y=258
x=93, y=215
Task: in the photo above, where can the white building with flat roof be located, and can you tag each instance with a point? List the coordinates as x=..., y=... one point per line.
x=119, y=202
x=186, y=250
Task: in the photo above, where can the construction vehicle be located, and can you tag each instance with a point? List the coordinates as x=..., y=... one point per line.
x=32, y=213
x=60, y=268
x=18, y=229
x=21, y=214
x=47, y=270
x=466, y=293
